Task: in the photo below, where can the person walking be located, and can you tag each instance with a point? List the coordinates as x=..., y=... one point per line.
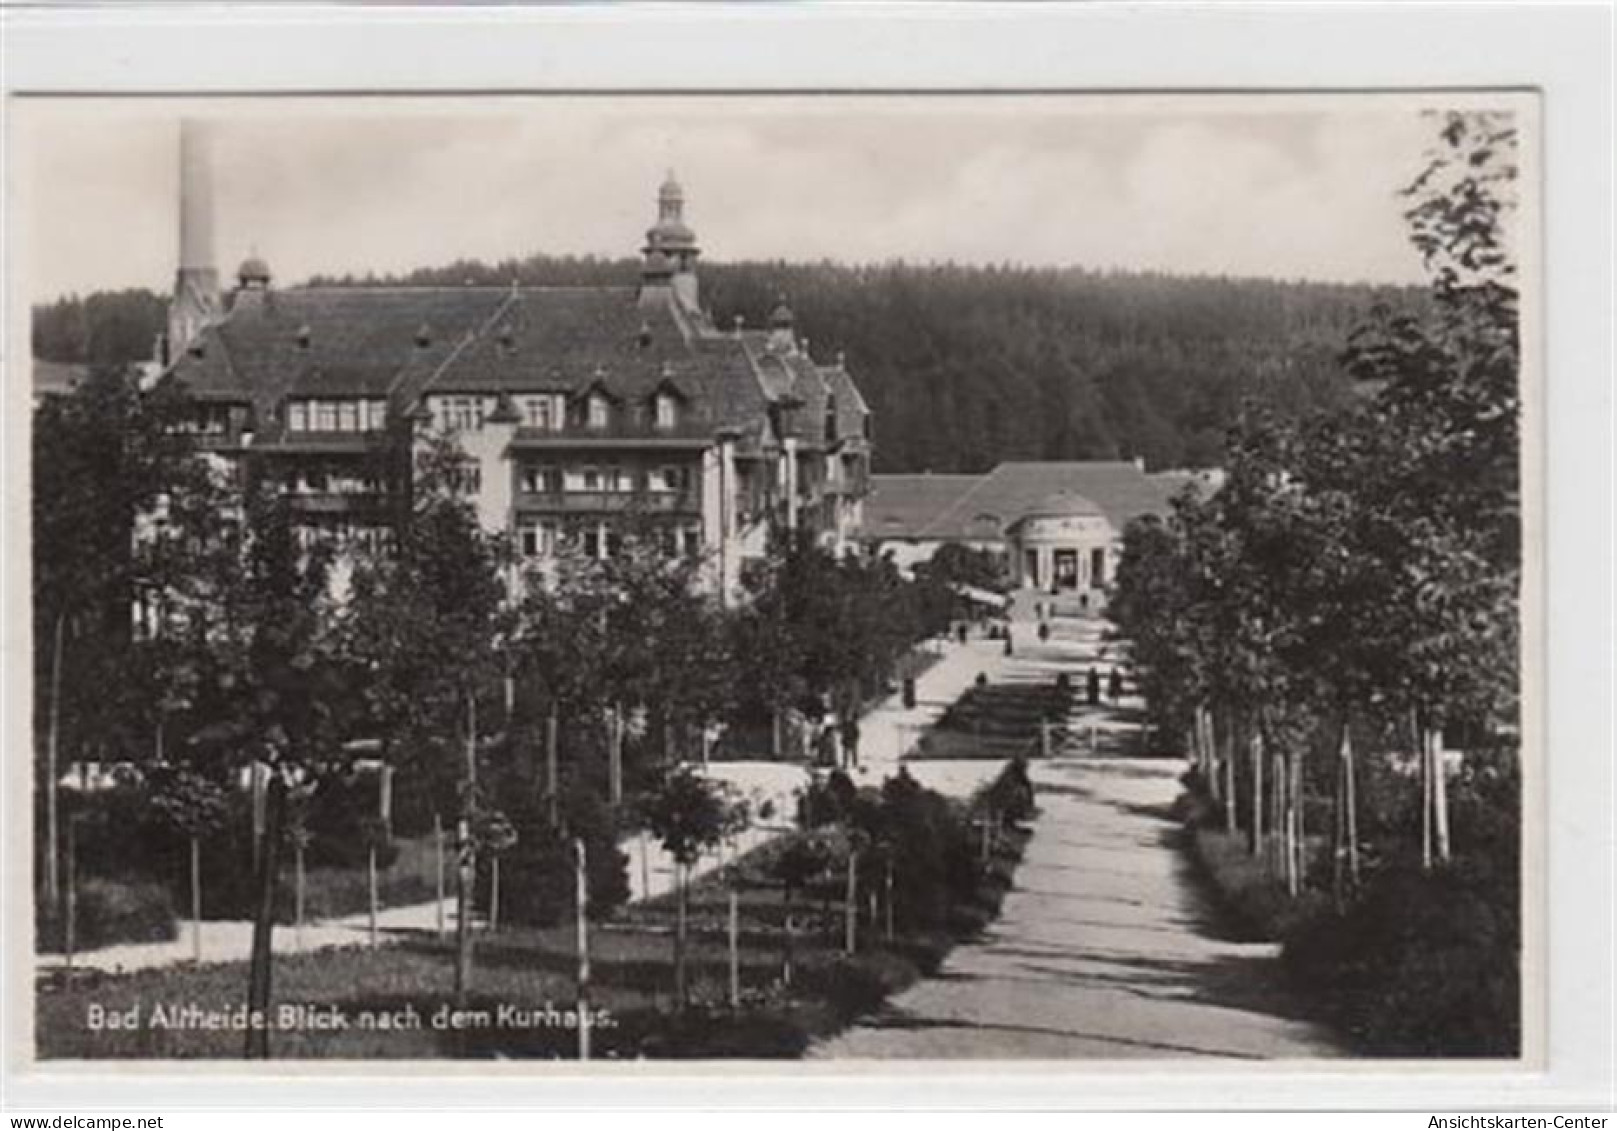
x=850, y=741
x=1114, y=685
x=1093, y=687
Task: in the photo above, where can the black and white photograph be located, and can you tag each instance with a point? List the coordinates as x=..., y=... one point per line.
x=850, y=578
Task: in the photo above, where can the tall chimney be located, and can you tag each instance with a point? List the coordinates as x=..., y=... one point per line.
x=196, y=299
x=196, y=196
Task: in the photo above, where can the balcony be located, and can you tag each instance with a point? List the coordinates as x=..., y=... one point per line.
x=337, y=502
x=694, y=434
x=610, y=502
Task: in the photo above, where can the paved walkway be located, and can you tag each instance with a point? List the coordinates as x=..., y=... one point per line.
x=1106, y=946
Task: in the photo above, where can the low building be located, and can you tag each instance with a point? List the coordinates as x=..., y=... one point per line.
x=1059, y=525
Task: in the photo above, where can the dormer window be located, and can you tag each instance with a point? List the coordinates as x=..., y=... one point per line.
x=543, y=411
x=599, y=411
x=349, y=415
x=461, y=414
x=667, y=412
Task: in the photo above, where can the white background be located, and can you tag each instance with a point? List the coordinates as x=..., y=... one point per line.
x=1563, y=50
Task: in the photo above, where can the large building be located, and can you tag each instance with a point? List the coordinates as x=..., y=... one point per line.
x=579, y=413
x=1058, y=524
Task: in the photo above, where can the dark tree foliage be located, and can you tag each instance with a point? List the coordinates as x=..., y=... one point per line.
x=103, y=456
x=966, y=366
x=962, y=366
x=103, y=328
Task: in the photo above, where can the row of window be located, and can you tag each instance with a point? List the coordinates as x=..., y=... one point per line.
x=547, y=412
x=351, y=415
x=316, y=480
x=208, y=420
x=547, y=479
x=543, y=538
x=342, y=536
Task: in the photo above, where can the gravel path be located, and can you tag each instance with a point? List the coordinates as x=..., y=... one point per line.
x=1105, y=947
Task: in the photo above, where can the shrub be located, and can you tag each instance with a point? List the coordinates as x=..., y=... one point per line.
x=1246, y=886
x=537, y=875
x=342, y=820
x=334, y=893
x=108, y=912
x=117, y=833
x=1423, y=964
x=1010, y=794
x=826, y=800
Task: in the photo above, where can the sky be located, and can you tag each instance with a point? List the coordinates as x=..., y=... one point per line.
x=1278, y=186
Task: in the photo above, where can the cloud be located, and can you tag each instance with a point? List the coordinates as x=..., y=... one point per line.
x=1259, y=188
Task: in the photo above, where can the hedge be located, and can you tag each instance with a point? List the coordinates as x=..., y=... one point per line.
x=109, y=912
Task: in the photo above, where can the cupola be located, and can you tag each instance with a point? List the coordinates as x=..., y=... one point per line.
x=253, y=274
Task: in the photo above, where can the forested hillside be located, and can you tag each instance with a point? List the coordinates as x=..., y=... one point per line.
x=966, y=366
x=103, y=328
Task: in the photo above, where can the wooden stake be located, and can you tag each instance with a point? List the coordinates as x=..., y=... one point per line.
x=1425, y=800
x=1255, y=756
x=1299, y=839
x=889, y=894
x=615, y=756
x=852, y=905
x=552, y=790
x=53, y=890
x=370, y=880
x=438, y=845
x=1352, y=808
x=581, y=899
x=297, y=897
x=645, y=865
x=196, y=900
x=465, y=875
x=1230, y=822
x=1274, y=850
x=259, y=793
x=680, y=995
x=1440, y=796
x=70, y=923
x=735, y=951
x=494, y=893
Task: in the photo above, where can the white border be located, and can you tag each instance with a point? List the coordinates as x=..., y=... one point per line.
x=1562, y=50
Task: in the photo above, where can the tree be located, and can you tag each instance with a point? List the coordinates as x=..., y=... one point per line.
x=1447, y=398
x=690, y=815
x=820, y=631
x=423, y=625
x=104, y=456
x=269, y=690
x=1364, y=561
x=194, y=806
x=803, y=857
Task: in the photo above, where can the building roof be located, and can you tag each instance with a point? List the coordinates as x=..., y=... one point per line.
x=852, y=411
x=981, y=507
x=903, y=506
x=403, y=343
x=1062, y=504
x=56, y=376
x=331, y=341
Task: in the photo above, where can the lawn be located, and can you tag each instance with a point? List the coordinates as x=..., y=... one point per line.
x=395, y=1002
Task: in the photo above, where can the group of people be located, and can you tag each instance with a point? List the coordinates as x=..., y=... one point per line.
x=1114, y=685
